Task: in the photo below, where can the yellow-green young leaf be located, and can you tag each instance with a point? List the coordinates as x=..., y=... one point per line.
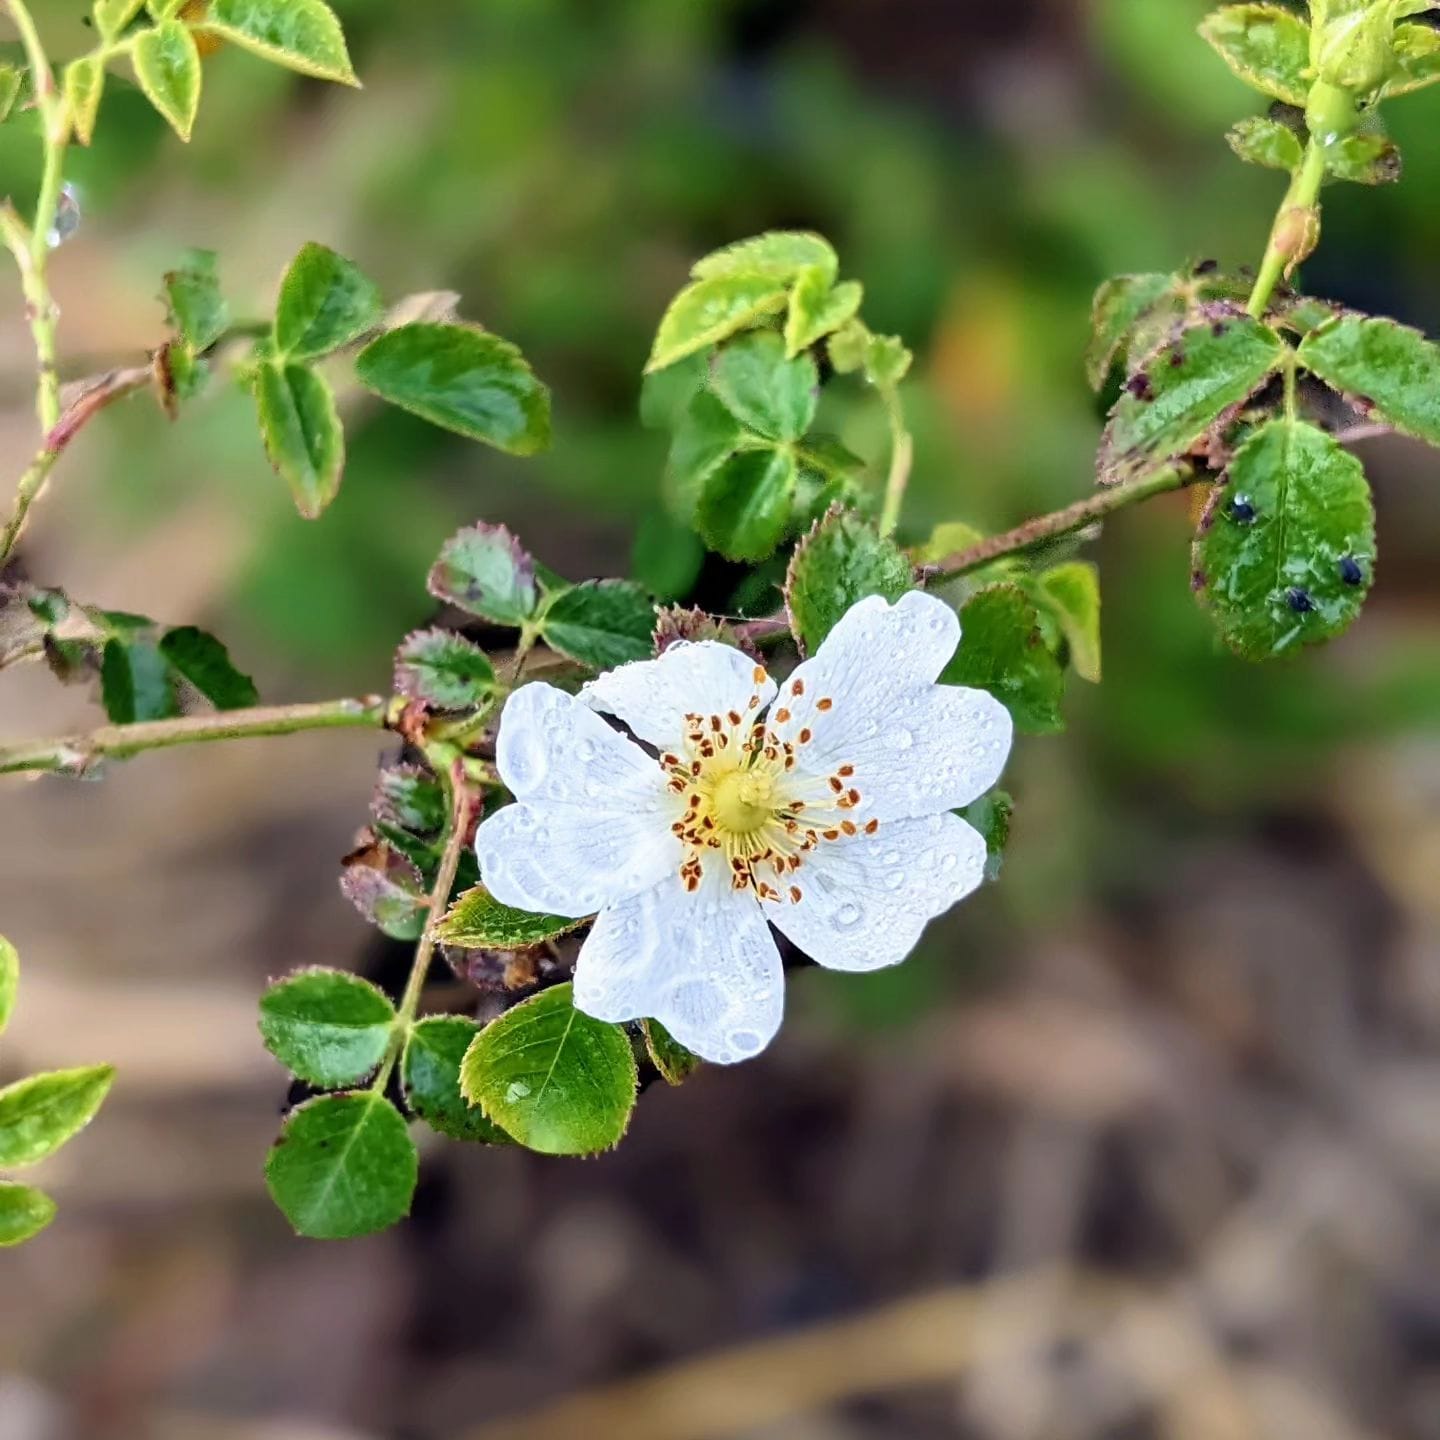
x=430, y=1077
x=112, y=16
x=1266, y=46
x=674, y=1062
x=1364, y=159
x=818, y=307
x=1262, y=141
x=344, y=1166
x=301, y=35
x=887, y=360
x=163, y=9
x=1417, y=55
x=462, y=379
x=484, y=569
x=776, y=255
x=24, y=1213
x=302, y=433
x=1286, y=549
x=443, y=670
x=763, y=388
x=843, y=559
x=1072, y=594
x=9, y=980
x=1002, y=650
x=478, y=921
x=11, y=79
x=745, y=507
x=1184, y=391
x=167, y=65
x=38, y=1115
x=327, y=1027
x=1384, y=367
x=600, y=623
x=1118, y=308
x=84, y=84
x=713, y=310
x=552, y=1077
x=325, y=302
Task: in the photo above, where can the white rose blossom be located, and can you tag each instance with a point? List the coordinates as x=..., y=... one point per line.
x=822, y=807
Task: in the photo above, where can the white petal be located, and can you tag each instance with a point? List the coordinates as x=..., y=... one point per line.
x=703, y=964
x=702, y=677
x=918, y=748
x=592, y=818
x=865, y=901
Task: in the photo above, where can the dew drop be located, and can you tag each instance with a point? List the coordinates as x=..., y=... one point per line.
x=586, y=751
x=746, y=1042
x=894, y=879
x=847, y=916
x=516, y=1090
x=902, y=739
x=525, y=760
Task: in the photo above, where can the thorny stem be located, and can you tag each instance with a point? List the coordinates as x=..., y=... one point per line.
x=76, y=753
x=1058, y=522
x=463, y=801
x=1287, y=244
x=902, y=455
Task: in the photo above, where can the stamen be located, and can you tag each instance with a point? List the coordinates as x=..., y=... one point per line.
x=824, y=704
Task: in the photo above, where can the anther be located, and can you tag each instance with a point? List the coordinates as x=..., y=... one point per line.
x=824, y=703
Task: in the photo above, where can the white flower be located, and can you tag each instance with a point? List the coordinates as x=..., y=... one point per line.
x=827, y=816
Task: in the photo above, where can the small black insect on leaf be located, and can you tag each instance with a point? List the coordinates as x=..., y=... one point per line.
x=1299, y=600
x=1242, y=510
x=1139, y=386
x=1350, y=570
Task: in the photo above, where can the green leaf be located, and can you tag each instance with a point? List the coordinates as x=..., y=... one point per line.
x=602, y=623
x=444, y=670
x=1118, y=307
x=762, y=389
x=412, y=798
x=1364, y=159
x=197, y=310
x=301, y=35
x=665, y=395
x=136, y=682
x=887, y=360
x=1266, y=46
x=112, y=16
x=990, y=815
x=745, y=508
x=1003, y=651
x=816, y=309
x=302, y=433
x=84, y=85
x=327, y=1027
x=38, y=1115
x=325, y=302
x=1072, y=593
x=674, y=1062
x=205, y=663
x=1384, y=367
x=167, y=65
x=12, y=78
x=706, y=437
x=9, y=980
x=666, y=556
x=484, y=569
x=24, y=1213
x=478, y=921
x=842, y=560
x=552, y=1077
x=1417, y=56
x=712, y=310
x=1184, y=391
x=461, y=379
x=344, y=1166
x=776, y=255
x=430, y=1075
x=387, y=889
x=1262, y=141
x=1286, y=550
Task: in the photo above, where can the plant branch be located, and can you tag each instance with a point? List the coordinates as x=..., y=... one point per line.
x=902, y=455
x=74, y=754
x=463, y=803
x=1295, y=231
x=1058, y=522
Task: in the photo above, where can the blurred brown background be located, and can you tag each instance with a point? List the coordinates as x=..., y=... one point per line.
x=1145, y=1143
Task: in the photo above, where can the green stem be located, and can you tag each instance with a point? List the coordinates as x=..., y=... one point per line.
x=902, y=455
x=1057, y=523
x=462, y=807
x=74, y=754
x=1285, y=247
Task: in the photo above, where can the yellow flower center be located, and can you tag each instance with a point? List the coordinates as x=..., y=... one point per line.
x=742, y=801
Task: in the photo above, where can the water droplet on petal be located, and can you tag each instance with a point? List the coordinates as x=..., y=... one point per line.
x=902, y=739
x=586, y=751
x=847, y=916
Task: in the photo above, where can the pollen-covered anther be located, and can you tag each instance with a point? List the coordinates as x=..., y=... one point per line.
x=824, y=703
